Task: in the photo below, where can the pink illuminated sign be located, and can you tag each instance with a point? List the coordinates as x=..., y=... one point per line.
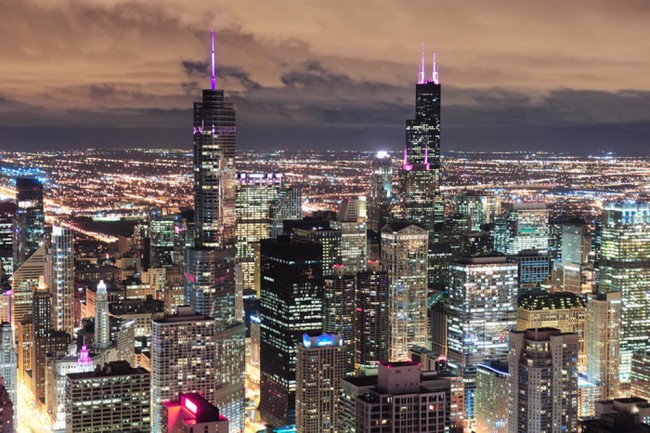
x=189, y=405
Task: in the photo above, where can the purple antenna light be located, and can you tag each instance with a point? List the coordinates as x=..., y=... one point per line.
x=212, y=62
x=421, y=79
x=435, y=76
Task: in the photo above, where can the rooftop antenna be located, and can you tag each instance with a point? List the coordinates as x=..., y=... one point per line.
x=421, y=79
x=435, y=76
x=213, y=80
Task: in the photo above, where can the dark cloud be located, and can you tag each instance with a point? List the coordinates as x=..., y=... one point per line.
x=193, y=68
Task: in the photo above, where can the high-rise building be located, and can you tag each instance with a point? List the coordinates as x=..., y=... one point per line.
x=420, y=173
x=214, y=167
x=255, y=193
x=481, y=310
x=543, y=367
x=524, y=228
x=640, y=375
x=7, y=411
x=624, y=266
x=161, y=244
x=534, y=268
x=354, y=244
x=330, y=239
x=339, y=309
x=41, y=327
x=61, y=279
x=286, y=207
x=321, y=364
x=7, y=216
x=576, y=260
x=380, y=194
x=110, y=399
x=192, y=413
x=479, y=208
x=604, y=342
x=210, y=283
x=371, y=316
x=25, y=279
x=404, y=256
x=291, y=305
x=492, y=394
x=29, y=225
x=565, y=311
x=183, y=359
x=102, y=327
x=399, y=399
x=621, y=415
x=9, y=364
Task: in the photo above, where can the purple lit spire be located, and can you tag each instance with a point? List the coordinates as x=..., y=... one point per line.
x=434, y=76
x=84, y=358
x=421, y=79
x=213, y=80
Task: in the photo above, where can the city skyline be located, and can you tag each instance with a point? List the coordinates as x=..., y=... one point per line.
x=309, y=75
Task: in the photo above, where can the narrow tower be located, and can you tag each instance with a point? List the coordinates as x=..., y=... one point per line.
x=102, y=331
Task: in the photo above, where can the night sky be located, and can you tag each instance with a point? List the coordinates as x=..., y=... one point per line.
x=555, y=75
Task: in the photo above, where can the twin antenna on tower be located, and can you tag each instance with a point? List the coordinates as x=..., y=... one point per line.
x=434, y=73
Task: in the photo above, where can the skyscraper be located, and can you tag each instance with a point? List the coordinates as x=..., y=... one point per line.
x=102, y=327
x=479, y=208
x=7, y=216
x=61, y=272
x=565, y=311
x=113, y=398
x=481, y=311
x=320, y=366
x=380, y=194
x=338, y=309
x=492, y=394
x=625, y=267
x=9, y=363
x=604, y=342
x=404, y=255
x=575, y=258
x=371, y=316
x=420, y=173
x=524, y=228
x=41, y=326
x=183, y=359
x=25, y=279
x=214, y=167
x=291, y=305
x=543, y=367
x=29, y=225
x=287, y=206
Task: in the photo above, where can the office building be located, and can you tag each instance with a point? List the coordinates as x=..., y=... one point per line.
x=291, y=305
x=534, y=268
x=624, y=266
x=102, y=327
x=161, y=241
x=183, y=359
x=339, y=308
x=9, y=363
x=543, y=368
x=25, y=280
x=420, y=173
x=354, y=244
x=114, y=398
x=565, y=311
x=7, y=216
x=480, y=209
x=604, y=342
x=576, y=258
x=640, y=376
x=399, y=399
x=29, y=225
x=41, y=328
x=214, y=167
x=7, y=411
x=192, y=413
x=286, y=207
x=404, y=256
x=380, y=194
x=330, y=239
x=371, y=316
x=255, y=193
x=210, y=283
x=524, y=227
x=481, y=310
x=61, y=279
x=322, y=362
x=492, y=394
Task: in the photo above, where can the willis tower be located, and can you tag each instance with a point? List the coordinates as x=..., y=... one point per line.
x=420, y=174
